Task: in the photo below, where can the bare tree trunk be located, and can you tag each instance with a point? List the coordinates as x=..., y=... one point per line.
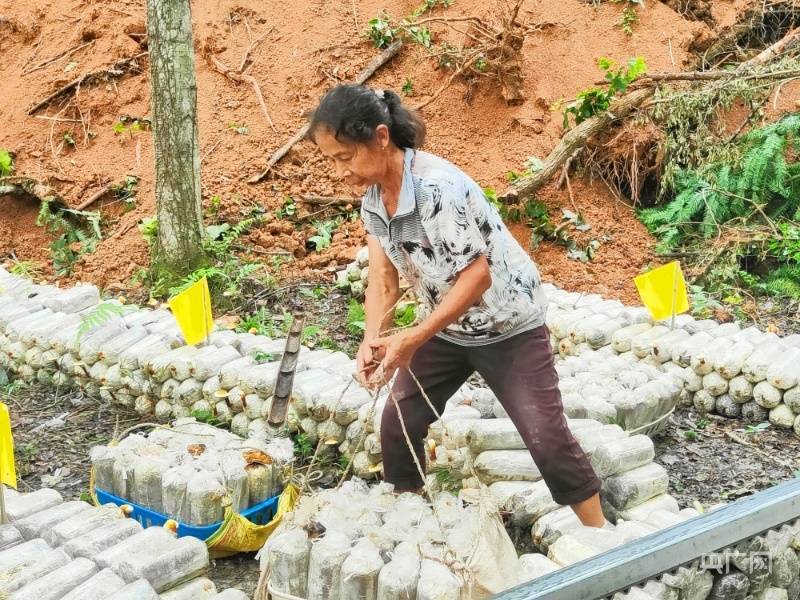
x=174, y=108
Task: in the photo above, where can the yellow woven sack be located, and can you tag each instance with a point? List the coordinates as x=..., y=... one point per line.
x=237, y=534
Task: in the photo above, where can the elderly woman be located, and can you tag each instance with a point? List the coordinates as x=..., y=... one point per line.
x=481, y=305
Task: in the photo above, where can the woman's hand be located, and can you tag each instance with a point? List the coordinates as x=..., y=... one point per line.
x=394, y=352
x=365, y=363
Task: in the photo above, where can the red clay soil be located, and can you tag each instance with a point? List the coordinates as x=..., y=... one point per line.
x=306, y=47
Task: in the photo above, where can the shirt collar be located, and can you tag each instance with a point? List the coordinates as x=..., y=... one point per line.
x=407, y=201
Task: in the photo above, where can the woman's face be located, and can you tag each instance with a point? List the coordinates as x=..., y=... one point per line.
x=358, y=164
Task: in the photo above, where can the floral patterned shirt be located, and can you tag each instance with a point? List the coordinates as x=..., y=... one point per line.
x=443, y=222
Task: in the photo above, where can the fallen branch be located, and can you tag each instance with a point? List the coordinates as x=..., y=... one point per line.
x=323, y=201
x=712, y=76
x=623, y=106
x=776, y=49
x=95, y=197
x=368, y=72
x=240, y=78
x=467, y=64
x=574, y=139
x=64, y=54
x=239, y=75
x=115, y=70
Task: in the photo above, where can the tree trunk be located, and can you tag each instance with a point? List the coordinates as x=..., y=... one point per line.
x=174, y=122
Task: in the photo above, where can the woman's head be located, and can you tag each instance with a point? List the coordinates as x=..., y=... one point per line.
x=355, y=126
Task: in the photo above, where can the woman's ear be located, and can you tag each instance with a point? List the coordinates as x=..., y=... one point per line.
x=382, y=136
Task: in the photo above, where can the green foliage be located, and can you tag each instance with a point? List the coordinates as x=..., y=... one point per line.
x=99, y=315
x=689, y=119
x=224, y=281
x=324, y=230
x=764, y=181
x=205, y=416
x=408, y=87
x=317, y=292
x=68, y=139
x=783, y=282
x=628, y=19
x=787, y=247
x=220, y=238
x=130, y=126
x=405, y=315
x=149, y=230
x=227, y=273
x=593, y=101
x=289, y=209
x=381, y=32
x=703, y=304
x=303, y=446
x=754, y=429
x=72, y=239
x=261, y=322
x=356, y=317
x=6, y=163
x=447, y=480
x=691, y=434
x=428, y=5
x=126, y=191
x=214, y=205
x=535, y=214
x=239, y=128
x=29, y=269
x=263, y=357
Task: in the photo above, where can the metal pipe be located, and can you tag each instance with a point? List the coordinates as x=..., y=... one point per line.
x=663, y=551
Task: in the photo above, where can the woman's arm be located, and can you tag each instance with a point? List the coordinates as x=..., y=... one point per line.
x=397, y=350
x=383, y=290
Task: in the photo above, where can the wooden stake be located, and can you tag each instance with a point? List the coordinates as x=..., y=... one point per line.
x=283, y=384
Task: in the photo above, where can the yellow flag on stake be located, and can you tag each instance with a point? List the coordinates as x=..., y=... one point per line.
x=8, y=474
x=192, y=310
x=663, y=291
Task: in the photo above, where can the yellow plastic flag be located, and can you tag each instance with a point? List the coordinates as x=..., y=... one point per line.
x=8, y=474
x=192, y=310
x=663, y=291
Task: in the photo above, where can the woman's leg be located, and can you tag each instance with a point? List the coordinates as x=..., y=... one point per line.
x=521, y=373
x=441, y=368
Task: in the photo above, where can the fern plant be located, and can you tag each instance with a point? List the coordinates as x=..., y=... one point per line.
x=100, y=315
x=72, y=239
x=783, y=281
x=688, y=117
x=764, y=181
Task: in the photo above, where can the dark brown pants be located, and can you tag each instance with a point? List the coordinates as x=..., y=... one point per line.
x=521, y=373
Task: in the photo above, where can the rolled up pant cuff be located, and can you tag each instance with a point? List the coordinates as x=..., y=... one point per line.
x=578, y=495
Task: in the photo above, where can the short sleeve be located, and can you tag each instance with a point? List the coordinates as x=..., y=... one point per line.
x=365, y=220
x=457, y=224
